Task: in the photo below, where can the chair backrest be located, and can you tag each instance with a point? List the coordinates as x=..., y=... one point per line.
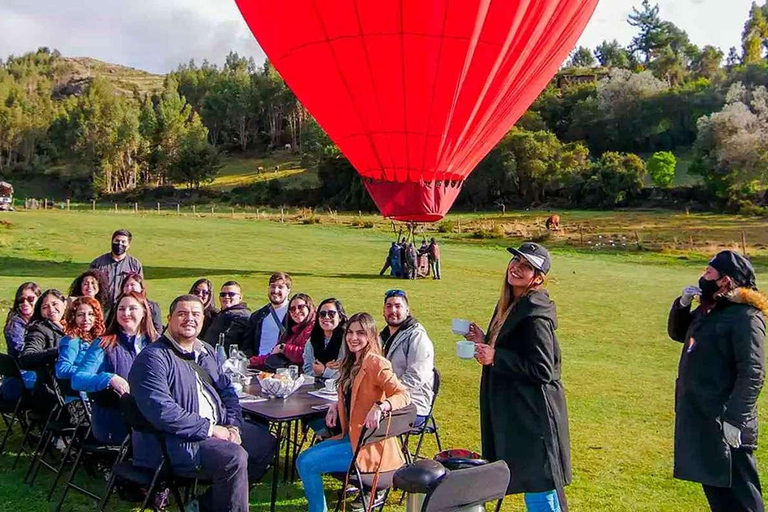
x=469, y=487
x=399, y=422
x=435, y=383
x=9, y=367
x=133, y=417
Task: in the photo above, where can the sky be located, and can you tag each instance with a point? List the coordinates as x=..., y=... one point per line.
x=158, y=35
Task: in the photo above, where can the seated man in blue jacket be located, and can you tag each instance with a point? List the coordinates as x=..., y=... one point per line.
x=181, y=389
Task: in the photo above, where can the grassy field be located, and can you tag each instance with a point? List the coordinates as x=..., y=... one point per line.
x=619, y=366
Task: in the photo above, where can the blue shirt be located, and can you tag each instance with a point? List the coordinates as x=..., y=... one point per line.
x=71, y=353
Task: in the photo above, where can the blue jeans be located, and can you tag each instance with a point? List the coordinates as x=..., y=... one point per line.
x=332, y=456
x=542, y=501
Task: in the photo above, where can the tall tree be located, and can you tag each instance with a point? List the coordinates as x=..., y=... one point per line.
x=581, y=57
x=753, y=36
x=612, y=55
x=707, y=63
x=651, y=27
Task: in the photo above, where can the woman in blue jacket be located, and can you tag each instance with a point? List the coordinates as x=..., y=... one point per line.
x=84, y=324
x=105, y=366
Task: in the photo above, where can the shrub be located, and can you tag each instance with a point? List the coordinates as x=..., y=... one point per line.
x=661, y=168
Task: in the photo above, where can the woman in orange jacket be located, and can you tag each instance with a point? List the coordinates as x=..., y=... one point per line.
x=367, y=389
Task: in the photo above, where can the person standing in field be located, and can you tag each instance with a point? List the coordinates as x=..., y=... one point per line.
x=434, y=259
x=117, y=263
x=523, y=414
x=720, y=376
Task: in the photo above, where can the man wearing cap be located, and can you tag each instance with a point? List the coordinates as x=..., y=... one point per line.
x=720, y=376
x=407, y=345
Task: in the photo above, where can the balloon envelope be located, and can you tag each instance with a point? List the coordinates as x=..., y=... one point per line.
x=416, y=92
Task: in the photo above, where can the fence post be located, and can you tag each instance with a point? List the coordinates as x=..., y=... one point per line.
x=158, y=207
x=213, y=212
x=46, y=204
x=233, y=212
x=194, y=209
x=282, y=215
x=93, y=205
x=135, y=207
x=67, y=204
x=115, y=207
x=744, y=243
x=458, y=220
x=178, y=209
x=581, y=235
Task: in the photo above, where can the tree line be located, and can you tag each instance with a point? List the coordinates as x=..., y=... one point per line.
x=578, y=144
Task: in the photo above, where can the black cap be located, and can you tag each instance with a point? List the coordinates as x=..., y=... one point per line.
x=735, y=266
x=535, y=254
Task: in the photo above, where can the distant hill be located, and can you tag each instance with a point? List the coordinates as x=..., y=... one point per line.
x=78, y=72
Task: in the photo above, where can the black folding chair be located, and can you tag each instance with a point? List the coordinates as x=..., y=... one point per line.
x=13, y=412
x=428, y=427
x=148, y=478
x=469, y=487
x=396, y=424
x=87, y=447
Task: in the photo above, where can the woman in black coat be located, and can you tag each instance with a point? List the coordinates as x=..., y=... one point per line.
x=523, y=416
x=41, y=342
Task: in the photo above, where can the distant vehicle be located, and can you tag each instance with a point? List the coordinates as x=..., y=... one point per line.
x=6, y=196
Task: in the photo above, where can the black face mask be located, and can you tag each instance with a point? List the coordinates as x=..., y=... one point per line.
x=708, y=289
x=118, y=249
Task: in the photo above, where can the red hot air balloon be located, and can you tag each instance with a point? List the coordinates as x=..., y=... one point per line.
x=416, y=92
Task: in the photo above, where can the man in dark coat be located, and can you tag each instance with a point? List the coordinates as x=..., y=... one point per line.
x=232, y=320
x=720, y=375
x=179, y=386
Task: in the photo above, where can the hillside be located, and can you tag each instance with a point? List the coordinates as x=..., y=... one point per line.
x=78, y=72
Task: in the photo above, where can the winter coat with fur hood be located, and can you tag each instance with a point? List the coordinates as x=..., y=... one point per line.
x=720, y=375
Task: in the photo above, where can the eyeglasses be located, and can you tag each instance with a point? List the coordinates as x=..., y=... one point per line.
x=331, y=313
x=202, y=292
x=394, y=293
x=31, y=300
x=231, y=295
x=293, y=309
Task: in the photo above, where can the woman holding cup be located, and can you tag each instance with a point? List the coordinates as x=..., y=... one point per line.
x=522, y=401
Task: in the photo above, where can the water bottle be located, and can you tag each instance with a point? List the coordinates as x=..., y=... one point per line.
x=220, y=352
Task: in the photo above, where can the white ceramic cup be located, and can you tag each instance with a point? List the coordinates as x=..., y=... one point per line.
x=330, y=385
x=465, y=349
x=460, y=326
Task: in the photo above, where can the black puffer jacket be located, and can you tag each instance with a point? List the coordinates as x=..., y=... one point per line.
x=523, y=414
x=232, y=323
x=41, y=349
x=720, y=375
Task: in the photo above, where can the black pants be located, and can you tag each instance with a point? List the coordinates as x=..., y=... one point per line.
x=744, y=494
x=232, y=467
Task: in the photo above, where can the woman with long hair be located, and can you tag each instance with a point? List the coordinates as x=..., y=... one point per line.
x=523, y=415
x=290, y=348
x=41, y=345
x=323, y=351
x=15, y=328
x=134, y=283
x=92, y=283
x=368, y=376
x=84, y=324
x=203, y=288
x=103, y=372
x=19, y=316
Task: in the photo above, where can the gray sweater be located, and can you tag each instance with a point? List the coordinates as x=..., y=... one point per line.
x=413, y=359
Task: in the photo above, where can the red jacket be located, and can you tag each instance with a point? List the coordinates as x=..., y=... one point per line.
x=294, y=341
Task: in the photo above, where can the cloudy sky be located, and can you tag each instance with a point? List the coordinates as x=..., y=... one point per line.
x=157, y=35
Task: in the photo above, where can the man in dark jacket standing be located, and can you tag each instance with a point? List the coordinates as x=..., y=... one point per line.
x=232, y=320
x=179, y=386
x=434, y=259
x=117, y=263
x=720, y=375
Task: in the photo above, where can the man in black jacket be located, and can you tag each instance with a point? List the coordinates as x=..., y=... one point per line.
x=232, y=320
x=720, y=375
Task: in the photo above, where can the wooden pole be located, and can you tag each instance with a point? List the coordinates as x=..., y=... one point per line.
x=213, y=212
x=458, y=221
x=93, y=205
x=115, y=207
x=178, y=209
x=45, y=207
x=743, y=243
x=67, y=204
x=135, y=207
x=233, y=212
x=194, y=209
x=158, y=207
x=581, y=234
x=282, y=215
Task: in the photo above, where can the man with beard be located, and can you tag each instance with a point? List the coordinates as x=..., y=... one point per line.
x=179, y=386
x=407, y=346
x=720, y=375
x=267, y=325
x=116, y=264
x=232, y=320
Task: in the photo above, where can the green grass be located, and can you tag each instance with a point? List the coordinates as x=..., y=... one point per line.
x=619, y=367
x=240, y=171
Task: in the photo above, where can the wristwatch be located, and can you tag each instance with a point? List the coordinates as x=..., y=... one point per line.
x=380, y=404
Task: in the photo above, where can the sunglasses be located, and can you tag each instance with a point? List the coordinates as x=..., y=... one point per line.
x=202, y=292
x=394, y=293
x=31, y=300
x=293, y=309
x=231, y=295
x=331, y=313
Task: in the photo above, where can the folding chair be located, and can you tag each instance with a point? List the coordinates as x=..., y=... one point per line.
x=148, y=478
x=428, y=427
x=13, y=411
x=396, y=424
x=469, y=487
x=90, y=447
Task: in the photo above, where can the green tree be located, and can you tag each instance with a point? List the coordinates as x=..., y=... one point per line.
x=613, y=180
x=754, y=34
x=651, y=30
x=661, y=168
x=582, y=57
x=196, y=165
x=707, y=63
x=612, y=55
